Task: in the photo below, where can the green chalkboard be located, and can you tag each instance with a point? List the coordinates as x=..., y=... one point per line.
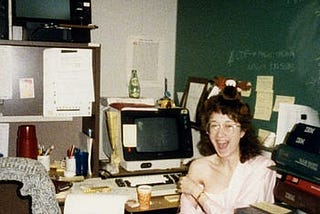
x=246, y=38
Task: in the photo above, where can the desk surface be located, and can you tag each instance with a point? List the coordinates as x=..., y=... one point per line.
x=157, y=203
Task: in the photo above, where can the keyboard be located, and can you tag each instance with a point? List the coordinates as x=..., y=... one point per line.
x=167, y=189
x=162, y=184
x=157, y=179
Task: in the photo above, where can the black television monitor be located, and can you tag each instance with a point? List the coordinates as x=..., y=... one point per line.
x=51, y=12
x=155, y=139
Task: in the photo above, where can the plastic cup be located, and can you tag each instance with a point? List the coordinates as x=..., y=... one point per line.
x=144, y=196
x=82, y=163
x=27, y=145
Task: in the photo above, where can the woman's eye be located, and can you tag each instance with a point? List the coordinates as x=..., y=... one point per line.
x=214, y=126
x=229, y=126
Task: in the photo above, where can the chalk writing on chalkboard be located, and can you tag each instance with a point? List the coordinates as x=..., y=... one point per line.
x=272, y=61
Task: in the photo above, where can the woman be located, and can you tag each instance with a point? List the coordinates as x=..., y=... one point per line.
x=235, y=174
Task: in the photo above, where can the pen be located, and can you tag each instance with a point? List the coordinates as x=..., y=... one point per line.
x=40, y=150
x=72, y=150
x=49, y=150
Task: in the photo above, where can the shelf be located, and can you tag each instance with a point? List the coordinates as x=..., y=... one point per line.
x=9, y=119
x=90, y=26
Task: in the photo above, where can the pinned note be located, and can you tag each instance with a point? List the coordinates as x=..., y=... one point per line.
x=130, y=135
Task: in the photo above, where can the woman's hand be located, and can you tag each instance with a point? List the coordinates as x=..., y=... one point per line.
x=188, y=186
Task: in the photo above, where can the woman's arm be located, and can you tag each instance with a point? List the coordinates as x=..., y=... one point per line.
x=209, y=206
x=194, y=200
x=190, y=189
x=202, y=204
x=188, y=205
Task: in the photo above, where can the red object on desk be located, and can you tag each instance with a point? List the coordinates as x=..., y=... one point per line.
x=27, y=145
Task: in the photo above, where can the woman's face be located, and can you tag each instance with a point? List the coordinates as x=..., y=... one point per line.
x=225, y=134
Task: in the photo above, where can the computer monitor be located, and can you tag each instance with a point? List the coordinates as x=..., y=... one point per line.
x=51, y=12
x=153, y=138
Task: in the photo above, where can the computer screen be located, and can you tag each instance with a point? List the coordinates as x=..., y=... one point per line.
x=51, y=12
x=166, y=139
x=56, y=11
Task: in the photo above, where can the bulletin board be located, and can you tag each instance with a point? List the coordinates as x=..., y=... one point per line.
x=246, y=38
x=24, y=61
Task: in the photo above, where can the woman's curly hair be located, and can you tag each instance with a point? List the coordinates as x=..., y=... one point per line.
x=229, y=102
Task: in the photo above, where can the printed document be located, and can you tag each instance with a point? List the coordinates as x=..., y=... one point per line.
x=68, y=82
x=4, y=139
x=5, y=72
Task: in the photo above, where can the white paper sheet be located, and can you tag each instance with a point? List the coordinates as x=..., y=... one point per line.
x=4, y=139
x=282, y=99
x=194, y=95
x=94, y=203
x=290, y=114
x=263, y=106
x=264, y=83
x=146, y=55
x=5, y=73
x=129, y=135
x=68, y=82
x=264, y=98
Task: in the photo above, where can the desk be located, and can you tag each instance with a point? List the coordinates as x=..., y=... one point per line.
x=158, y=205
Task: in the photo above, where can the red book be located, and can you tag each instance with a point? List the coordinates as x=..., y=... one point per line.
x=296, y=197
x=303, y=184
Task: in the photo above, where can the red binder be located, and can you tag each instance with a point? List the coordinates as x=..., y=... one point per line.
x=303, y=184
x=297, y=197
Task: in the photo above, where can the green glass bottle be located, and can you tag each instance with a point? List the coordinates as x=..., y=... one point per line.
x=134, y=85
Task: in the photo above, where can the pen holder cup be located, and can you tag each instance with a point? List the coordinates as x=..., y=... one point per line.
x=45, y=161
x=70, y=169
x=82, y=163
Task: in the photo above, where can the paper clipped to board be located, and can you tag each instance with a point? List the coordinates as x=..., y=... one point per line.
x=4, y=139
x=6, y=71
x=68, y=82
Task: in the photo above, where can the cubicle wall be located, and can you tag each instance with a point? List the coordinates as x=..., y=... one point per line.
x=25, y=60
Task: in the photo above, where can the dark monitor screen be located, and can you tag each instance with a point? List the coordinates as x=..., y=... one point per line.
x=55, y=11
x=48, y=9
x=152, y=130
